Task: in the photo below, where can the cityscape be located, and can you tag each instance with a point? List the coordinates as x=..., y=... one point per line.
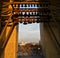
x=29, y=50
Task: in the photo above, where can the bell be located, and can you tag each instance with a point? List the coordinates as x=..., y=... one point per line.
x=38, y=20
x=30, y=21
x=35, y=13
x=25, y=14
x=26, y=19
x=31, y=5
x=25, y=23
x=28, y=5
x=25, y=5
x=20, y=20
x=18, y=6
x=30, y=13
x=37, y=5
x=21, y=5
x=34, y=5
x=33, y=20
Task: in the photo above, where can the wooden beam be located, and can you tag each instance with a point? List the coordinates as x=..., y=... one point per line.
x=27, y=3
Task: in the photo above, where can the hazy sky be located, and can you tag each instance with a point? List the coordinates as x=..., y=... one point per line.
x=29, y=33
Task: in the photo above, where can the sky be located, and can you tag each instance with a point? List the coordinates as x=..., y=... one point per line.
x=29, y=33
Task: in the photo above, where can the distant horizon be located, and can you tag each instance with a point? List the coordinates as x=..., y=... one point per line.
x=28, y=42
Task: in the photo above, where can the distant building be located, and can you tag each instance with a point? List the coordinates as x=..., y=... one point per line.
x=25, y=49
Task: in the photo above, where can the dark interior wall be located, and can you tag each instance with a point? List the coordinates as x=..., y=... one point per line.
x=52, y=42
x=55, y=12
